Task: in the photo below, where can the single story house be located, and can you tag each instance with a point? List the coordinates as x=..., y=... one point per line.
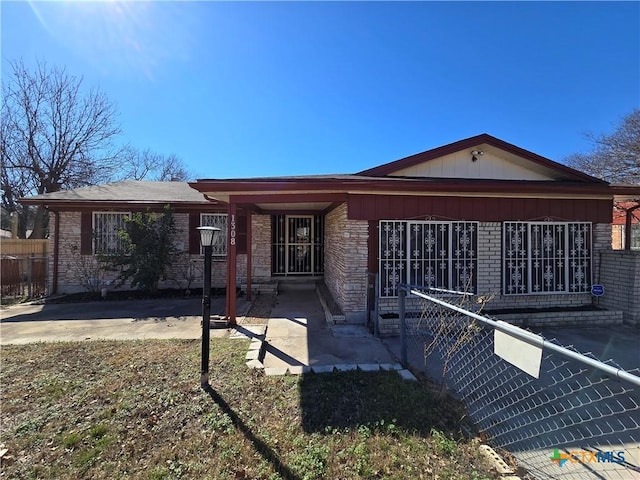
x=478, y=215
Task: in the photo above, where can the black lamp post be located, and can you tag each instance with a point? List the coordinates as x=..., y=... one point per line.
x=207, y=236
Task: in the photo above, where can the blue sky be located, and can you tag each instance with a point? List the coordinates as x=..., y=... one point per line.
x=293, y=88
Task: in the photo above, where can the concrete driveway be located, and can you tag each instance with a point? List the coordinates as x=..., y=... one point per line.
x=113, y=320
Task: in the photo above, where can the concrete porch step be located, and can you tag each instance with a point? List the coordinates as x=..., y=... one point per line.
x=288, y=284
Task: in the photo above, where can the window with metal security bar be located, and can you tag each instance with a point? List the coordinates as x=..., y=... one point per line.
x=546, y=257
x=106, y=239
x=218, y=220
x=428, y=254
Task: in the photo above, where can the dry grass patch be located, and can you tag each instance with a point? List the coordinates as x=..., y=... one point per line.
x=135, y=409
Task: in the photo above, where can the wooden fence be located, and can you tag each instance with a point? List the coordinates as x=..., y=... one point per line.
x=23, y=267
x=23, y=248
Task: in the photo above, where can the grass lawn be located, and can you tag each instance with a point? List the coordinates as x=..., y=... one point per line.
x=135, y=409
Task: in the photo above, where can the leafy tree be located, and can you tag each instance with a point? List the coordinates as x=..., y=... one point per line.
x=614, y=157
x=53, y=135
x=150, y=248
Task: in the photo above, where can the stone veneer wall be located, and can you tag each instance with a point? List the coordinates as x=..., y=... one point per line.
x=345, y=262
x=260, y=256
x=186, y=271
x=620, y=275
x=490, y=274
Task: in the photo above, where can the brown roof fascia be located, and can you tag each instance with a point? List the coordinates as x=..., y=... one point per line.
x=64, y=206
x=291, y=190
x=499, y=186
x=631, y=192
x=274, y=185
x=471, y=142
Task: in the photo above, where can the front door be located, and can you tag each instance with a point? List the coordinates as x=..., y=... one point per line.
x=297, y=244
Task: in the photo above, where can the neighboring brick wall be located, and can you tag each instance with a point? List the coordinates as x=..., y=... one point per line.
x=490, y=274
x=620, y=275
x=617, y=237
x=75, y=270
x=345, y=269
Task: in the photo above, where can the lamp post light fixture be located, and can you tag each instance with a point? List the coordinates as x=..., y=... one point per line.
x=207, y=237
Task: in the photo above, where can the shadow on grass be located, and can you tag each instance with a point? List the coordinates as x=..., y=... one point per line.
x=262, y=448
x=376, y=399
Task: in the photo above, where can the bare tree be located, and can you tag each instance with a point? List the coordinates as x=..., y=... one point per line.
x=614, y=157
x=53, y=136
x=149, y=165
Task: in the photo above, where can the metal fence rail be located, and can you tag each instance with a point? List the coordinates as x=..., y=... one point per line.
x=580, y=419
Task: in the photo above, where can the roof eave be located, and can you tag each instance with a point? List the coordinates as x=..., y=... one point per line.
x=388, y=184
x=57, y=203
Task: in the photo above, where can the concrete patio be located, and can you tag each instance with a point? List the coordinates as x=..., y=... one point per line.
x=298, y=340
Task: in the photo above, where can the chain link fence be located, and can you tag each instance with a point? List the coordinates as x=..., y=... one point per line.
x=579, y=419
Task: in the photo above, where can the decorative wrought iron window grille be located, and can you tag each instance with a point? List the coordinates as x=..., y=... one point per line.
x=218, y=220
x=106, y=228
x=429, y=254
x=546, y=257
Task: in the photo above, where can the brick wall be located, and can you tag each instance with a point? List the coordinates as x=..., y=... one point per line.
x=345, y=262
x=261, y=280
x=261, y=248
x=620, y=275
x=76, y=271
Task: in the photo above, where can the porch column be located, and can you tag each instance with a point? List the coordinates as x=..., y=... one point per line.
x=231, y=263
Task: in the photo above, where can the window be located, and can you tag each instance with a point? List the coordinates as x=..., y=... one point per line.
x=218, y=220
x=106, y=226
x=619, y=237
x=429, y=254
x=546, y=257
x=635, y=236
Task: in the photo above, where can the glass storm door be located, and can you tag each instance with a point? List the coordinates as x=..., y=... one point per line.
x=297, y=245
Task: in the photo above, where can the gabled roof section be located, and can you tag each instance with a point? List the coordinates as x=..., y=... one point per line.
x=499, y=161
x=127, y=191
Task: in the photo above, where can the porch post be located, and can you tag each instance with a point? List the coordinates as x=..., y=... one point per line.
x=232, y=220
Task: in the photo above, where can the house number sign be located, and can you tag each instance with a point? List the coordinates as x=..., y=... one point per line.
x=232, y=229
